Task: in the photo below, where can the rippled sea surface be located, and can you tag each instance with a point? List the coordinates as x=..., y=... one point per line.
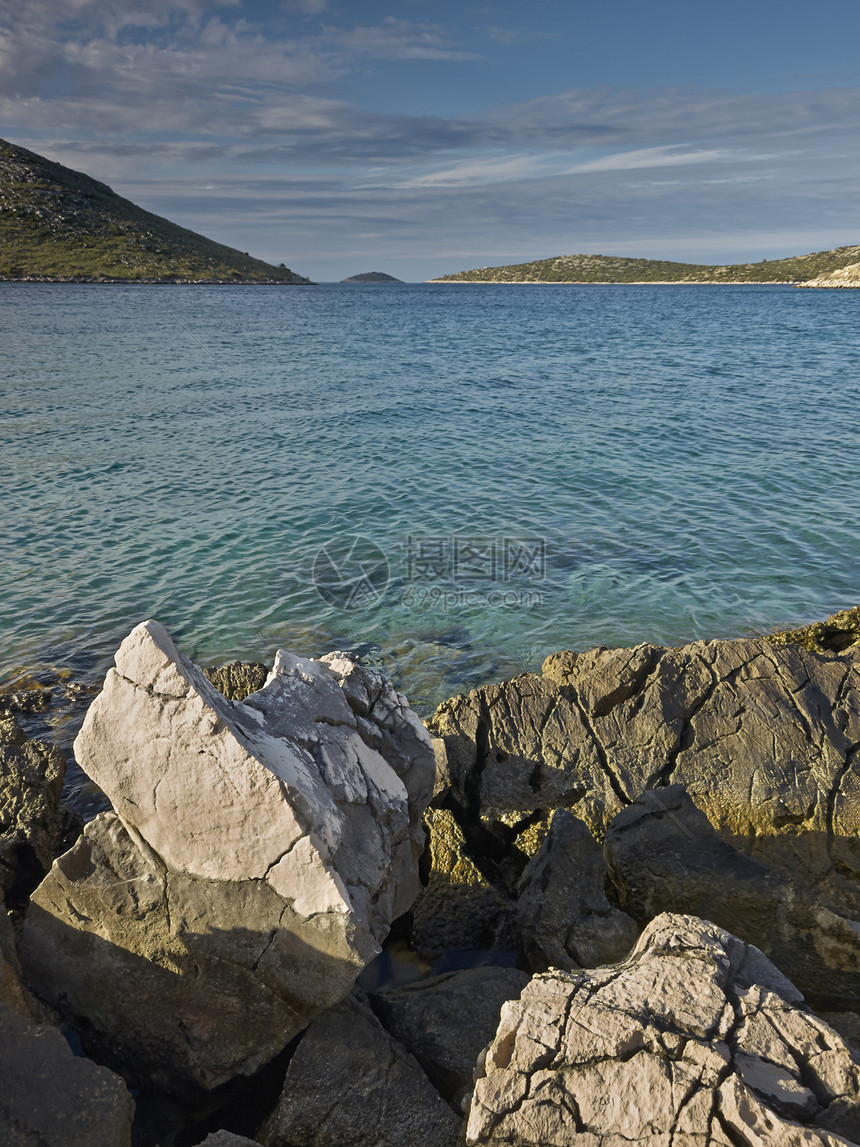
x=455, y=480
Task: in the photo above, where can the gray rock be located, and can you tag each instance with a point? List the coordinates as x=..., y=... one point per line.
x=31, y=816
x=258, y=853
x=696, y=1039
x=51, y=1098
x=350, y=1083
x=446, y=1021
x=764, y=737
x=665, y=856
x=564, y=917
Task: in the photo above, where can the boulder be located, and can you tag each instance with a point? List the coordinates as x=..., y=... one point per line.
x=256, y=856
x=565, y=919
x=32, y=819
x=764, y=736
x=665, y=856
x=446, y=1021
x=696, y=1039
x=349, y=1084
x=52, y=1098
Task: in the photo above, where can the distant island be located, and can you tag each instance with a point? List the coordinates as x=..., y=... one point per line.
x=60, y=226
x=816, y=269
x=372, y=277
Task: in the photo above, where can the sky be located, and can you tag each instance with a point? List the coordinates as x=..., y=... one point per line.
x=421, y=138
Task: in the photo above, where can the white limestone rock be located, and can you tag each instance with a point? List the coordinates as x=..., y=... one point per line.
x=258, y=854
x=695, y=1039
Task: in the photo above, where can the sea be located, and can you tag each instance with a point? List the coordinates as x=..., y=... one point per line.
x=452, y=480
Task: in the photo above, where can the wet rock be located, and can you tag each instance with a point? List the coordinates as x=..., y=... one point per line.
x=33, y=824
x=258, y=853
x=446, y=1021
x=564, y=917
x=764, y=736
x=350, y=1083
x=460, y=907
x=839, y=632
x=50, y=1097
x=695, y=1039
x=665, y=856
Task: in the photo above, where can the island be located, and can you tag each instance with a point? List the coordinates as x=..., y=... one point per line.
x=372, y=277
x=59, y=226
x=796, y=270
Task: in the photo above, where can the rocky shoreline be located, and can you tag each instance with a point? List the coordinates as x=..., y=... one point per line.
x=614, y=902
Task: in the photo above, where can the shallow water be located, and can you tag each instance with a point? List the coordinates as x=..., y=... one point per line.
x=530, y=469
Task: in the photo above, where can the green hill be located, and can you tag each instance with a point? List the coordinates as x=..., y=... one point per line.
x=615, y=269
x=59, y=225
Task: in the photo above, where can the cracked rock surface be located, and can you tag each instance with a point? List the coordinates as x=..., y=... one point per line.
x=764, y=736
x=695, y=1039
x=256, y=857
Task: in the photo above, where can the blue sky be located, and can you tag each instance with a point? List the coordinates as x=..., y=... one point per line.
x=422, y=138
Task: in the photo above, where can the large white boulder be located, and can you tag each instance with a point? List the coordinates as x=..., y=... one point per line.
x=258, y=852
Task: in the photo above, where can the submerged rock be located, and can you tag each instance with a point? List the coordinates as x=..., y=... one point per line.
x=764, y=736
x=350, y=1084
x=696, y=1039
x=258, y=853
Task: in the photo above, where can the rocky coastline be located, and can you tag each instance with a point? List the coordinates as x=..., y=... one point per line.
x=614, y=902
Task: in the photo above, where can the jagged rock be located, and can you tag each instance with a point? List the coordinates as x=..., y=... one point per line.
x=838, y=632
x=665, y=856
x=446, y=1021
x=52, y=1098
x=766, y=738
x=32, y=821
x=257, y=856
x=238, y=679
x=350, y=1083
x=696, y=1039
x=565, y=919
x=459, y=907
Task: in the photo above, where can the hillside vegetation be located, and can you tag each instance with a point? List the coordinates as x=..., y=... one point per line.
x=615, y=269
x=60, y=225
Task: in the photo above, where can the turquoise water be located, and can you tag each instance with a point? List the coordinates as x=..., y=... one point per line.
x=530, y=469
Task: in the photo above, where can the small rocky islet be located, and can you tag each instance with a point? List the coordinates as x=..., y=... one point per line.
x=614, y=902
